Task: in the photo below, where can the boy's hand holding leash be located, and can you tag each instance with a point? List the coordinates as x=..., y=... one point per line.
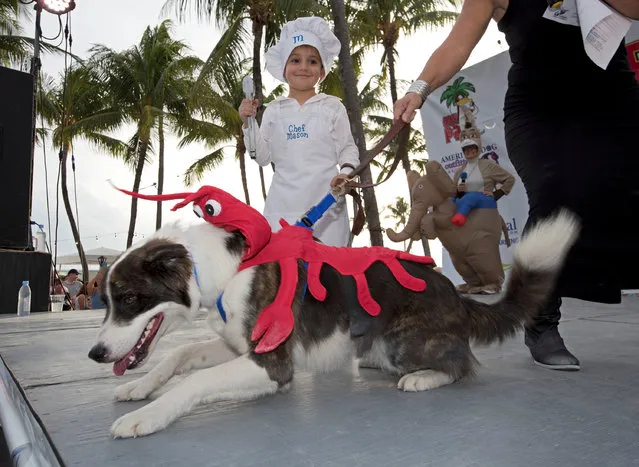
x=339, y=184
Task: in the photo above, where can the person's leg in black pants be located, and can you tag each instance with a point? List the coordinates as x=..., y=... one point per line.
x=544, y=341
x=537, y=163
x=542, y=334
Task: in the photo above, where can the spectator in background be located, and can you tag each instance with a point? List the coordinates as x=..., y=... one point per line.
x=94, y=289
x=74, y=286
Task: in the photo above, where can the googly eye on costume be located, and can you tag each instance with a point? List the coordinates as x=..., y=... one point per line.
x=213, y=208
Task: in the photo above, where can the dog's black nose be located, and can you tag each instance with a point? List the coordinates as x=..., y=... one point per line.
x=98, y=353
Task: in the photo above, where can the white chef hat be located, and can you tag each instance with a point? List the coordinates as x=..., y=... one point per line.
x=311, y=30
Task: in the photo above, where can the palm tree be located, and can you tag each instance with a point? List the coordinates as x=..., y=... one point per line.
x=142, y=82
x=220, y=126
x=241, y=21
x=399, y=212
x=265, y=18
x=16, y=49
x=353, y=108
x=223, y=127
x=75, y=107
x=13, y=47
x=381, y=23
x=179, y=79
x=377, y=126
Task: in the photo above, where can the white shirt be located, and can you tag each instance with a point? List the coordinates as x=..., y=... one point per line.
x=474, y=180
x=306, y=143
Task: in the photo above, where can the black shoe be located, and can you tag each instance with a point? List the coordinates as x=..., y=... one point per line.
x=548, y=350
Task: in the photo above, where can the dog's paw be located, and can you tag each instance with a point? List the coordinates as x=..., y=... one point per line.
x=140, y=422
x=133, y=391
x=423, y=380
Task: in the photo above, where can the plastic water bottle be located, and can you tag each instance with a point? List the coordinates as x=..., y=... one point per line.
x=24, y=299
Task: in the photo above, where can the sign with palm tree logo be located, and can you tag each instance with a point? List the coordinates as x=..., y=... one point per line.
x=481, y=85
x=456, y=95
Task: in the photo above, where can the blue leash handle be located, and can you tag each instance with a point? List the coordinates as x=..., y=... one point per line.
x=316, y=212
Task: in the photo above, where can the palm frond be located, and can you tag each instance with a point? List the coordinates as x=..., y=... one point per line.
x=431, y=19
x=107, y=120
x=196, y=171
x=197, y=131
x=112, y=146
x=227, y=55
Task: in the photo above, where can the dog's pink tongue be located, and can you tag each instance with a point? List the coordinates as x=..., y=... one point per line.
x=119, y=367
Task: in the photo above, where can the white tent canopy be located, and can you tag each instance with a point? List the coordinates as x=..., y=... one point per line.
x=92, y=256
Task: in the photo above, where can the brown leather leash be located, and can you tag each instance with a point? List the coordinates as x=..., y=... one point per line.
x=369, y=155
x=349, y=187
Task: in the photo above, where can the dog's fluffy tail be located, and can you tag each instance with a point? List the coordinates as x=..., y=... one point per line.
x=537, y=261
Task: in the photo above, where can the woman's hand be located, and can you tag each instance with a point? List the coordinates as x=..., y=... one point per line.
x=248, y=108
x=405, y=107
x=450, y=57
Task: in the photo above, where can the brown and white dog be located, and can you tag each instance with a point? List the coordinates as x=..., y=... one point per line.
x=424, y=338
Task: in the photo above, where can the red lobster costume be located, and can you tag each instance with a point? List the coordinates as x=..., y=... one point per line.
x=286, y=247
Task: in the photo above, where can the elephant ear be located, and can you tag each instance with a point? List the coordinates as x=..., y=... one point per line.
x=411, y=177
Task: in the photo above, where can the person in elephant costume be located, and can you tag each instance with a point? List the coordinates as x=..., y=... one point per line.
x=473, y=247
x=480, y=182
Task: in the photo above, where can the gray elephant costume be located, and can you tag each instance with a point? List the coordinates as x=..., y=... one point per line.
x=473, y=247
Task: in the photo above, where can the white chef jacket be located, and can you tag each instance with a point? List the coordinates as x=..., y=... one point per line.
x=306, y=143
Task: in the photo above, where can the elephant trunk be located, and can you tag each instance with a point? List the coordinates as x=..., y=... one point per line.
x=417, y=211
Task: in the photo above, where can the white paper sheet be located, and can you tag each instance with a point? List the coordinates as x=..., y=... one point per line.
x=602, y=28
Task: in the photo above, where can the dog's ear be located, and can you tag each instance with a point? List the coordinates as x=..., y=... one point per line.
x=165, y=257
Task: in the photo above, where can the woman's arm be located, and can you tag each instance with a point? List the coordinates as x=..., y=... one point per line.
x=629, y=8
x=449, y=58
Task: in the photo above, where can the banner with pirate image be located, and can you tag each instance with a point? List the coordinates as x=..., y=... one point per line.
x=480, y=88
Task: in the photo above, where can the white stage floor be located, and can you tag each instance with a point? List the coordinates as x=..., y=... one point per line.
x=513, y=414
